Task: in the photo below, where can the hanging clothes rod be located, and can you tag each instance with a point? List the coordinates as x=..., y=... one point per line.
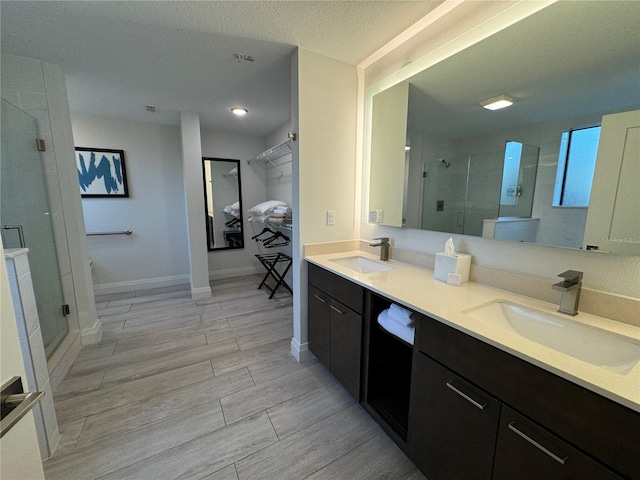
x=124, y=232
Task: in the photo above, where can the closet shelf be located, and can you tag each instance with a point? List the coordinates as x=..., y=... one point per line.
x=263, y=161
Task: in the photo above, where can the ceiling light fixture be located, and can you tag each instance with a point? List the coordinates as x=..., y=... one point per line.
x=496, y=103
x=239, y=111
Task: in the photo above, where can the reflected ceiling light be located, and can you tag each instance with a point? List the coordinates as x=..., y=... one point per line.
x=496, y=103
x=239, y=111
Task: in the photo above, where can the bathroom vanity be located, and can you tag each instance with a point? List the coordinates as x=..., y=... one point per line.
x=471, y=399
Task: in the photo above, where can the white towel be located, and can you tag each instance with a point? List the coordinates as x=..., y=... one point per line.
x=267, y=207
x=405, y=333
x=400, y=315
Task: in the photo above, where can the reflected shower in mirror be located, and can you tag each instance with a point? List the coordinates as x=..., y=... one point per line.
x=223, y=203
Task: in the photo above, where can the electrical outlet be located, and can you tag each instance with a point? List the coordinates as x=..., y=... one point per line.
x=331, y=217
x=378, y=216
x=373, y=216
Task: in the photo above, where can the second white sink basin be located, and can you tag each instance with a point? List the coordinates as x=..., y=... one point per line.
x=362, y=264
x=593, y=345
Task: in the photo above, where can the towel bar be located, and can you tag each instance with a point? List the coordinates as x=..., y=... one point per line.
x=124, y=232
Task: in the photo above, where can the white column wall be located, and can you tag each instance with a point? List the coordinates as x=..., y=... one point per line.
x=324, y=114
x=194, y=203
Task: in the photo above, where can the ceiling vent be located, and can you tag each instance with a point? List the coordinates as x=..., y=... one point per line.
x=241, y=56
x=150, y=109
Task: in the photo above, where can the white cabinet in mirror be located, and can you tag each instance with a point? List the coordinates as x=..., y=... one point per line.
x=500, y=174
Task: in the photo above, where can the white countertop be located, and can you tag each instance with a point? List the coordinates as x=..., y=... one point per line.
x=416, y=288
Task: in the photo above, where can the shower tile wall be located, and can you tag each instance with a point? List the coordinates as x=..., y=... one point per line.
x=22, y=83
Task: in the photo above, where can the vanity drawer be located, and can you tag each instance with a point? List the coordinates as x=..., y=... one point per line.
x=344, y=291
x=600, y=427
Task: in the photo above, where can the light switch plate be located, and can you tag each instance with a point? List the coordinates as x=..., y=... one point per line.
x=331, y=217
x=379, y=216
x=373, y=216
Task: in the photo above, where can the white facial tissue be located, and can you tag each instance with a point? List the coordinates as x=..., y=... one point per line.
x=450, y=262
x=449, y=249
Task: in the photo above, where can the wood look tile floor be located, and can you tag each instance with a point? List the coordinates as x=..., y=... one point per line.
x=208, y=389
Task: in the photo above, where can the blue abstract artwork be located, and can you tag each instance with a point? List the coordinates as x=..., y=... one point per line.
x=101, y=172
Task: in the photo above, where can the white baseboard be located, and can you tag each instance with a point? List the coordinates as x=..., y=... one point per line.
x=301, y=352
x=132, y=285
x=91, y=336
x=199, y=293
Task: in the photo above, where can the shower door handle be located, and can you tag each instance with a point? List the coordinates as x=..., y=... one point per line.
x=20, y=233
x=460, y=219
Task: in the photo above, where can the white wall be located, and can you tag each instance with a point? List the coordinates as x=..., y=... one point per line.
x=324, y=107
x=156, y=252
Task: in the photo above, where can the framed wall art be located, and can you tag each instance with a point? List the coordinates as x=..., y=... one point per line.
x=101, y=172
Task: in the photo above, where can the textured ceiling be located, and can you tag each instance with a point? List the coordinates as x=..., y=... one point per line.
x=178, y=56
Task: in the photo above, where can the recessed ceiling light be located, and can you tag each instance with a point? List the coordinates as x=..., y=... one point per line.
x=496, y=103
x=239, y=111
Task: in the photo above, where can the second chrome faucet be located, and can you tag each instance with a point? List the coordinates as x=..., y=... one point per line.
x=384, y=247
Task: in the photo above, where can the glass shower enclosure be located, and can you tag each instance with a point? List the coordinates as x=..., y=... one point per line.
x=26, y=219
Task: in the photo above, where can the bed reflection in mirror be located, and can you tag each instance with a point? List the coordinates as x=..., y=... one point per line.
x=223, y=203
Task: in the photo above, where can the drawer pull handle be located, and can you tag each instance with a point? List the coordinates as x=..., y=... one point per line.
x=466, y=397
x=337, y=309
x=561, y=461
x=320, y=298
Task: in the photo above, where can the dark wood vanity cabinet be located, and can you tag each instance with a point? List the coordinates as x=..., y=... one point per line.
x=526, y=451
x=335, y=326
x=542, y=415
x=453, y=424
x=461, y=408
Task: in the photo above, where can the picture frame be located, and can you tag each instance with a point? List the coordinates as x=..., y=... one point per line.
x=101, y=173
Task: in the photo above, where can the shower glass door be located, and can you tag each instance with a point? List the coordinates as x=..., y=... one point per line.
x=25, y=218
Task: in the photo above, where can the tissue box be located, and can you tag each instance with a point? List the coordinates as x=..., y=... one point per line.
x=459, y=263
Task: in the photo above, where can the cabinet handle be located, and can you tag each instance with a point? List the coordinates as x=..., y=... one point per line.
x=561, y=461
x=466, y=397
x=320, y=298
x=337, y=309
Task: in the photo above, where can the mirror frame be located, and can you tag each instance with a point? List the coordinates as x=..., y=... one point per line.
x=208, y=191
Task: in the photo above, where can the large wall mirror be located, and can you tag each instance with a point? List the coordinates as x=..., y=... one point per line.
x=223, y=203
x=560, y=167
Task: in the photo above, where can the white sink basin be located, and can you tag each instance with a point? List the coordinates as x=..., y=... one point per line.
x=593, y=345
x=362, y=264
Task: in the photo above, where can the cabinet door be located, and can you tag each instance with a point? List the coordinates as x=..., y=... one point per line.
x=346, y=347
x=452, y=424
x=527, y=451
x=320, y=325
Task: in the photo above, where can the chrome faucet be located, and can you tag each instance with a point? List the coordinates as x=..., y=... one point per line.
x=570, y=288
x=384, y=247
